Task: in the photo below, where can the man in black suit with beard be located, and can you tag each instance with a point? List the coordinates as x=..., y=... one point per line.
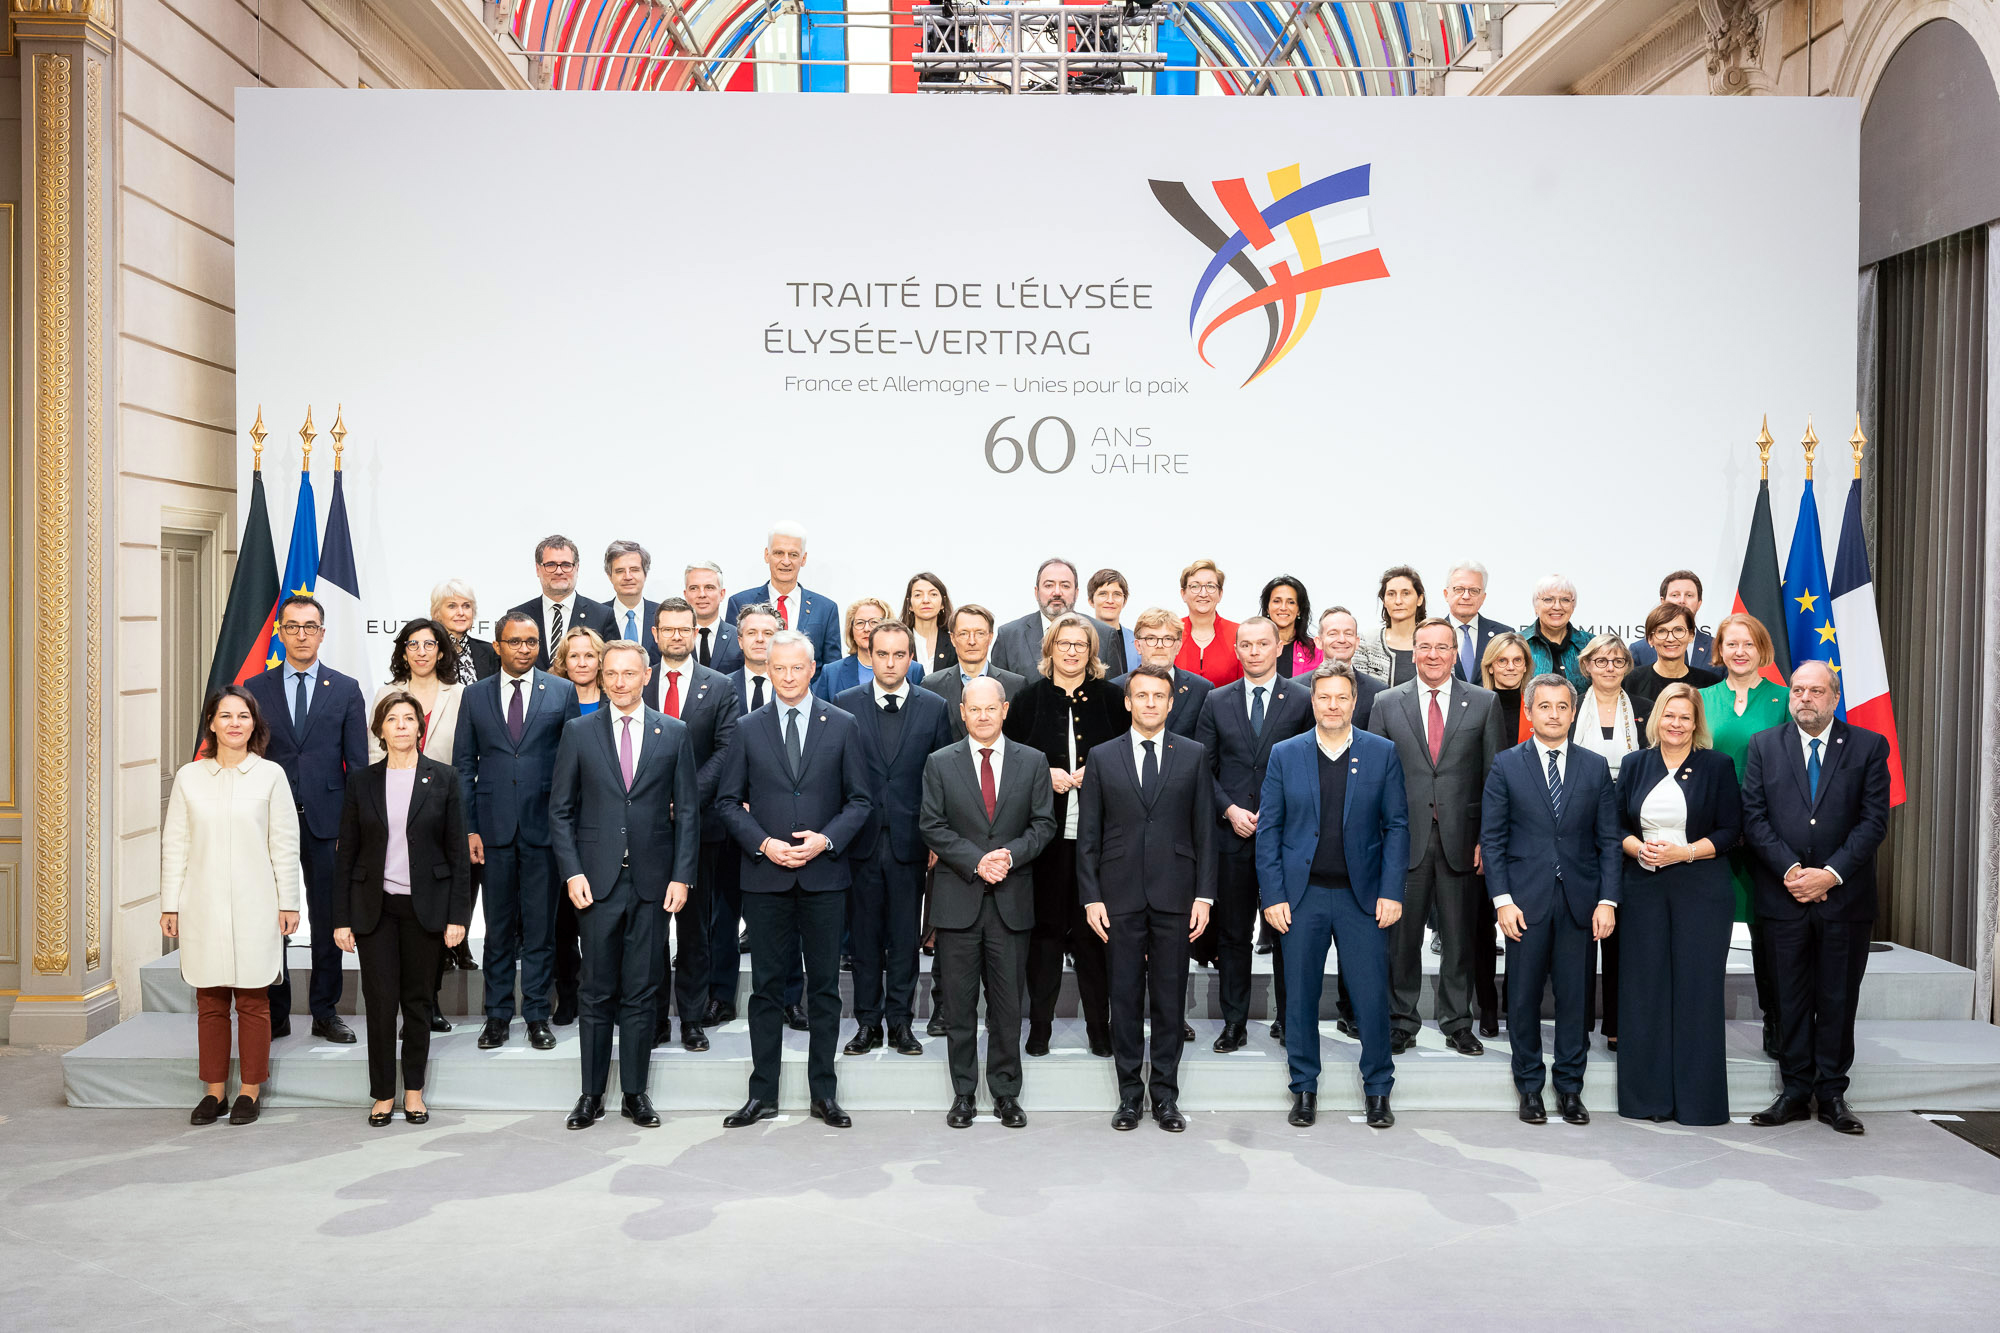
x=560, y=607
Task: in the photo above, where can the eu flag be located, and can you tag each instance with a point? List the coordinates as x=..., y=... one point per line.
x=302, y=561
x=1808, y=598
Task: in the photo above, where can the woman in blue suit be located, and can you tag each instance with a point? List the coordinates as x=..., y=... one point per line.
x=1679, y=807
x=835, y=678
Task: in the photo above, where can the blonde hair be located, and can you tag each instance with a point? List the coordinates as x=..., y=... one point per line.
x=1497, y=645
x=1602, y=643
x=1760, y=636
x=1197, y=567
x=559, y=664
x=854, y=609
x=448, y=589
x=1680, y=689
x=1157, y=618
x=1095, y=670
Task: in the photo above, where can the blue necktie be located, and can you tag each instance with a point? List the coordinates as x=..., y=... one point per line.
x=302, y=697
x=1468, y=662
x=632, y=625
x=1812, y=769
x=1555, y=786
x=792, y=748
x=1257, y=711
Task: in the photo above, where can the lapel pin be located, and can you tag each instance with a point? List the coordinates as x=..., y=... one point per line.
x=656, y=731
x=426, y=777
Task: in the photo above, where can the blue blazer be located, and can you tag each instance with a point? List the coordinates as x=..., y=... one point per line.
x=830, y=682
x=335, y=743
x=507, y=785
x=1840, y=831
x=597, y=824
x=896, y=777
x=813, y=614
x=759, y=799
x=1521, y=845
x=1374, y=821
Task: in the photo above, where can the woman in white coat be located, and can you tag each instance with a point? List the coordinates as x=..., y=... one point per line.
x=229, y=892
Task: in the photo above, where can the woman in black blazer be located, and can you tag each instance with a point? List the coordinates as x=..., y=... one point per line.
x=1680, y=809
x=927, y=615
x=402, y=894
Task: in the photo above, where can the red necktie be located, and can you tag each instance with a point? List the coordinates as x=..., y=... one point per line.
x=1435, y=727
x=784, y=620
x=987, y=791
x=674, y=695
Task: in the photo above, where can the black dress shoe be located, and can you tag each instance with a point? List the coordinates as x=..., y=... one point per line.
x=638, y=1108
x=1264, y=947
x=207, y=1111
x=847, y=962
x=462, y=958
x=1233, y=1038
x=540, y=1037
x=333, y=1030
x=1569, y=1105
x=1187, y=1032
x=1771, y=1036
x=1400, y=1041
x=587, y=1112
x=829, y=1111
x=663, y=1035
x=377, y=1119
x=1611, y=1044
x=963, y=1111
x=1168, y=1117
x=749, y=1114
x=1464, y=1042
x=1126, y=1117
x=1836, y=1112
x=1347, y=1028
x=743, y=941
x=493, y=1034
x=795, y=1018
x=1010, y=1112
x=1038, y=1041
x=245, y=1110
x=439, y=1023
x=717, y=1014
x=1100, y=1044
x=1782, y=1112
x=1532, y=1110
x=283, y=1029
x=565, y=1012
x=1489, y=1028
x=1305, y=1109
x=692, y=1037
x=936, y=1027
x=866, y=1038
x=1379, y=1114
x=421, y=1116
x=904, y=1041
x=1278, y=1032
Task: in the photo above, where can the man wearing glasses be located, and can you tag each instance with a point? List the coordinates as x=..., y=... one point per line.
x=1157, y=636
x=560, y=606
x=1464, y=596
x=319, y=735
x=972, y=639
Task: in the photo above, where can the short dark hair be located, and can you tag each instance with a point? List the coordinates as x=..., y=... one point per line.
x=553, y=540
x=390, y=700
x=1104, y=578
x=1675, y=577
x=1149, y=672
x=971, y=609
x=1666, y=613
x=1043, y=568
x=399, y=655
x=750, y=609
x=204, y=735
x=894, y=627
x=670, y=604
x=515, y=618
x=301, y=599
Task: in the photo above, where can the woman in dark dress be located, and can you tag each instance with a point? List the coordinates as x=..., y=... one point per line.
x=1064, y=712
x=1670, y=633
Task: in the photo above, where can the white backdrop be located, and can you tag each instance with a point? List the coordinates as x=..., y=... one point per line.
x=569, y=313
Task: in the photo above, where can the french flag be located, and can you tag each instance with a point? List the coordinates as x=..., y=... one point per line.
x=1864, y=679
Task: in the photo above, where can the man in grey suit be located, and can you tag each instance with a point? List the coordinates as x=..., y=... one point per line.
x=1446, y=732
x=1018, y=645
x=988, y=811
x=972, y=638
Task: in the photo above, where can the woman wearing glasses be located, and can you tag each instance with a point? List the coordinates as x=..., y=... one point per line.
x=1670, y=632
x=1208, y=643
x=863, y=615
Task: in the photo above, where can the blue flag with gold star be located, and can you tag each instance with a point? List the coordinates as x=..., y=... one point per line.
x=302, y=560
x=1808, y=596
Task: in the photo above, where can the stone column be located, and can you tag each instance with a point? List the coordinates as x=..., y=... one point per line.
x=63, y=618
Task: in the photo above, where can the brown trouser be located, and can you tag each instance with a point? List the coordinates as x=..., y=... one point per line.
x=253, y=1032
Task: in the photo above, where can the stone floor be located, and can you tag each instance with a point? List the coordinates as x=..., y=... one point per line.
x=310, y=1219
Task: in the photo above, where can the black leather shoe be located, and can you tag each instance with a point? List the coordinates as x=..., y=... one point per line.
x=1126, y=1117
x=493, y=1034
x=1010, y=1112
x=1771, y=1036
x=333, y=1030
x=1187, y=1032
x=936, y=1027
x=1264, y=948
x=540, y=1037
x=1835, y=1112
x=462, y=959
x=829, y=1111
x=1233, y=1038
x=1782, y=1112
x=963, y=1111
x=378, y=1119
x=439, y=1023
x=1100, y=1045
x=1532, y=1110
x=1611, y=1044
x=663, y=1035
x=418, y=1117
x=866, y=1038
x=795, y=1018
x=1305, y=1109
x=207, y=1111
x=717, y=1014
x=565, y=1012
x=245, y=1110
x=749, y=1114
x=1400, y=1041
x=587, y=1112
x=1168, y=1117
x=904, y=1042
x=1038, y=1041
x=1569, y=1105
x=1464, y=1042
x=1379, y=1114
x=1347, y=1028
x=692, y=1037
x=743, y=941
x=1278, y=1032
x=1489, y=1028
x=638, y=1108
x=283, y=1029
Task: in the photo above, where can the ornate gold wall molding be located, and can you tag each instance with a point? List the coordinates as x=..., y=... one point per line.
x=93, y=502
x=50, y=98
x=99, y=12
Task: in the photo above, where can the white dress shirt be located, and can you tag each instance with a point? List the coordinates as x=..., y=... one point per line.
x=805, y=708
x=1250, y=688
x=1346, y=744
x=901, y=693
x=1443, y=690
x=999, y=748
x=1663, y=815
x=750, y=679
x=568, y=605
x=507, y=679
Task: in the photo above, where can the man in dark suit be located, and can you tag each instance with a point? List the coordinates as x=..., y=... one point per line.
x=1447, y=732
x=715, y=644
x=1332, y=843
x=1339, y=636
x=1146, y=881
x=1815, y=807
x=509, y=726
x=900, y=727
x=1682, y=588
x=627, y=564
x=1464, y=596
x=560, y=609
x=1552, y=847
x=1157, y=636
x=812, y=614
x=795, y=797
x=319, y=734
x=971, y=633
x=706, y=703
x=1017, y=646
x=625, y=825
x=1239, y=724
x=988, y=811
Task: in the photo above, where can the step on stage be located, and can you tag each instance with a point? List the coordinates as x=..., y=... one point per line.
x=1917, y=1045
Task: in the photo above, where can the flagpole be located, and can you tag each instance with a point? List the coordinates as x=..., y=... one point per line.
x=257, y=434
x=1857, y=442
x=1765, y=443
x=1811, y=445
x=307, y=435
x=339, y=434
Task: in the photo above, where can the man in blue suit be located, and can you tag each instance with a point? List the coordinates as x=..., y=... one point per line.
x=901, y=727
x=509, y=726
x=319, y=734
x=812, y=614
x=1333, y=842
x=715, y=644
x=794, y=796
x=1552, y=848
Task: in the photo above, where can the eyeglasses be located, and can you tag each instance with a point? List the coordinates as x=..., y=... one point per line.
x=308, y=631
x=1461, y=590
x=1620, y=662
x=974, y=634
x=863, y=626
x=421, y=646
x=1072, y=647
x=1555, y=599
x=1203, y=587
x=559, y=566
x=1157, y=641
x=1671, y=634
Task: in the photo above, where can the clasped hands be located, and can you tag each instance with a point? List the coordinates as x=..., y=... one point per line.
x=1809, y=886
x=1065, y=781
x=779, y=852
x=996, y=865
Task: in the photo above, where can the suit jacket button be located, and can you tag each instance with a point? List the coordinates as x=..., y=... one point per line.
x=1812, y=821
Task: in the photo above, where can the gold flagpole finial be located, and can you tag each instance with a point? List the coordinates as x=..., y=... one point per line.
x=1811, y=445
x=1857, y=442
x=339, y=433
x=306, y=435
x=257, y=434
x=1764, y=444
